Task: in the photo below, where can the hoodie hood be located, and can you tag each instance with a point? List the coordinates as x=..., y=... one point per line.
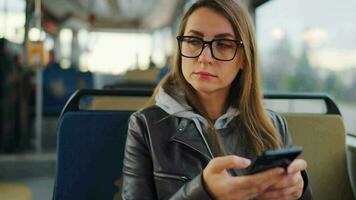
x=175, y=104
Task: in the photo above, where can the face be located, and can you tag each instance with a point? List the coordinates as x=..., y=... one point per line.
x=206, y=74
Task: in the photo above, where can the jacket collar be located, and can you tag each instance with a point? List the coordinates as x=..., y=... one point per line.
x=189, y=136
x=190, y=129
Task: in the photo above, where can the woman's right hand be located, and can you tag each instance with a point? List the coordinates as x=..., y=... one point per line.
x=221, y=185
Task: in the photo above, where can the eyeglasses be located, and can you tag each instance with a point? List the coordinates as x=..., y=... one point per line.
x=221, y=49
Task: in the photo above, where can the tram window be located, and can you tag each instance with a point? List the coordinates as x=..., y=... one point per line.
x=12, y=19
x=309, y=46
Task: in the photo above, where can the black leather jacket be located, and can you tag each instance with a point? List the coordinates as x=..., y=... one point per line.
x=165, y=157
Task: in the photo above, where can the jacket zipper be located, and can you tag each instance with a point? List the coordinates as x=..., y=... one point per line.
x=172, y=176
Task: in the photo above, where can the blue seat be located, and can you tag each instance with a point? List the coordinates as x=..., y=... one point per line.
x=90, y=149
x=59, y=84
x=91, y=146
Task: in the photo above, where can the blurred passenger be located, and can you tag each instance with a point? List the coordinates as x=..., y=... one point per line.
x=52, y=60
x=207, y=120
x=8, y=92
x=25, y=93
x=151, y=64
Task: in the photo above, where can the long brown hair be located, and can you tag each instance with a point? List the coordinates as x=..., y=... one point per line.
x=245, y=92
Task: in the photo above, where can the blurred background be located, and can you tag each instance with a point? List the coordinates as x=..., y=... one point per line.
x=50, y=48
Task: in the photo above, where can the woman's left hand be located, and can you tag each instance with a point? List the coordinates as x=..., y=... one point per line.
x=290, y=187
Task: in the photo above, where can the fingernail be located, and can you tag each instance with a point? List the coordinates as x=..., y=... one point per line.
x=281, y=170
x=246, y=161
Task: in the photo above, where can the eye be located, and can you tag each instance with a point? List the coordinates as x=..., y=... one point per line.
x=192, y=41
x=224, y=44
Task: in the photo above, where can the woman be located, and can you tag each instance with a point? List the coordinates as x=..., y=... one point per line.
x=207, y=120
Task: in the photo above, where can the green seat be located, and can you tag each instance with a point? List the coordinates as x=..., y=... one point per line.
x=13, y=191
x=323, y=140
x=351, y=158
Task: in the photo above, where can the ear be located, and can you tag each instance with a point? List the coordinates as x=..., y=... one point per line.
x=243, y=64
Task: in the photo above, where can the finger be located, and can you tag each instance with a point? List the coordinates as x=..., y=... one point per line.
x=257, y=183
x=285, y=193
x=272, y=175
x=288, y=181
x=222, y=163
x=297, y=165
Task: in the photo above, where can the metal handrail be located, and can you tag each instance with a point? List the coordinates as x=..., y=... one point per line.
x=331, y=107
x=73, y=102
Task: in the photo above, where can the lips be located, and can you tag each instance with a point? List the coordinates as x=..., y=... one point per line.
x=204, y=75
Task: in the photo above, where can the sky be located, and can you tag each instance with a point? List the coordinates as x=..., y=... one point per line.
x=327, y=25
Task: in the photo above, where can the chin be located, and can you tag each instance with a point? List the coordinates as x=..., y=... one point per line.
x=204, y=88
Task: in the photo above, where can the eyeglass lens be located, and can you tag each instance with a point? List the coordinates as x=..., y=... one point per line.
x=222, y=49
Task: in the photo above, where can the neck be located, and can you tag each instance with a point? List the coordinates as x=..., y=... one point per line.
x=214, y=104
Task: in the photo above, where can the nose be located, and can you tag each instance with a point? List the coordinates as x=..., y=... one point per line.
x=206, y=56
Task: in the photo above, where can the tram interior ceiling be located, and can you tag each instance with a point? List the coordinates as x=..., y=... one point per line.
x=143, y=15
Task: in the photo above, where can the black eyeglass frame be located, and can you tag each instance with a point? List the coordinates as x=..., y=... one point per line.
x=181, y=37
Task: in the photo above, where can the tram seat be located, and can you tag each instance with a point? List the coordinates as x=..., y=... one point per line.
x=59, y=84
x=14, y=191
x=323, y=138
x=324, y=149
x=351, y=158
x=90, y=149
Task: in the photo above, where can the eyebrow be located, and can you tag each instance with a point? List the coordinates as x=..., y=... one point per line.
x=221, y=35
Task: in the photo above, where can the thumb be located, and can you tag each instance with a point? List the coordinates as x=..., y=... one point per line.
x=296, y=166
x=222, y=163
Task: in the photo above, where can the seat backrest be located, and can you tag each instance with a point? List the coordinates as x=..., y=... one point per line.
x=315, y=123
x=15, y=191
x=110, y=103
x=90, y=148
x=351, y=158
x=324, y=149
x=90, y=151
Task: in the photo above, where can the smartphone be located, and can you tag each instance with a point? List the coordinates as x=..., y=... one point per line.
x=275, y=158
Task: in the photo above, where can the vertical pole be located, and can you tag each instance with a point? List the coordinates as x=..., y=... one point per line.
x=38, y=13
x=28, y=15
x=38, y=123
x=5, y=18
x=39, y=92
x=75, y=54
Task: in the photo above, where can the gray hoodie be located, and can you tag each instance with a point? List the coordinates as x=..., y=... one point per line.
x=177, y=106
